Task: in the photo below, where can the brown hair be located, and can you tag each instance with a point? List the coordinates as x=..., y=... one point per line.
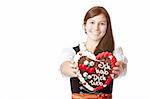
x=107, y=42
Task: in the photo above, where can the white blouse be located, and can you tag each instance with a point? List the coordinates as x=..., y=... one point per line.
x=69, y=53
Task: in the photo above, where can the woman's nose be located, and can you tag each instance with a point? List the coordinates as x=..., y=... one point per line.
x=96, y=27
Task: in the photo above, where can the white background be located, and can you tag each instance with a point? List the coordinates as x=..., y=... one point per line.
x=33, y=33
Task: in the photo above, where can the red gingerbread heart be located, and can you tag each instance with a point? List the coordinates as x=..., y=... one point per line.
x=95, y=72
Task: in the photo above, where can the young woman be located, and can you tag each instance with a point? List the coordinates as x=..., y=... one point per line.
x=97, y=26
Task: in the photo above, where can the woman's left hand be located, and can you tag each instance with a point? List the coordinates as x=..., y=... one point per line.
x=119, y=69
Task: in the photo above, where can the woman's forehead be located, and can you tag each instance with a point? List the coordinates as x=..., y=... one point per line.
x=100, y=17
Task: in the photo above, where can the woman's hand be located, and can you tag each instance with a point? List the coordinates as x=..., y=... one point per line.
x=69, y=69
x=119, y=69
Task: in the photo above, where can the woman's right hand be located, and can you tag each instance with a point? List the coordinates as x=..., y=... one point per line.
x=69, y=69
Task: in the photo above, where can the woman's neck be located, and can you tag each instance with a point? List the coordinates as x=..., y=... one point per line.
x=91, y=45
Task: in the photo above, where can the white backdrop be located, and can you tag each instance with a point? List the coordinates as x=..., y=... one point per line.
x=33, y=33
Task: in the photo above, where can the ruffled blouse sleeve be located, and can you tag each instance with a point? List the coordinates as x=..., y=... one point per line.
x=67, y=54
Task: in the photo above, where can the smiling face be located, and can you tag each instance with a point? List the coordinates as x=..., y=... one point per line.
x=96, y=27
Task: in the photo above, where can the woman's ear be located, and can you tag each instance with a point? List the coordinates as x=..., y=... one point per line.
x=84, y=28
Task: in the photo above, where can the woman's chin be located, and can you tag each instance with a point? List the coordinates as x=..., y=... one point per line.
x=96, y=39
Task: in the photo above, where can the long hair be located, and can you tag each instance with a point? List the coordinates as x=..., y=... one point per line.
x=107, y=42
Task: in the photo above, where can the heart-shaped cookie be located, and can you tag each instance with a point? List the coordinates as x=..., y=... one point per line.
x=95, y=72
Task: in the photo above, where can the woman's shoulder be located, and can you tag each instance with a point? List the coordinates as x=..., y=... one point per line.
x=68, y=50
x=71, y=51
x=75, y=48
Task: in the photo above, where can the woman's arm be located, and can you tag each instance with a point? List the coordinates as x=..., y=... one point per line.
x=121, y=64
x=67, y=66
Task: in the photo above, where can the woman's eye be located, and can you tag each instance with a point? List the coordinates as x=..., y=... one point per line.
x=92, y=22
x=102, y=23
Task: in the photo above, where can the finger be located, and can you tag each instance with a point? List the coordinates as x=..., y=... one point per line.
x=124, y=66
x=72, y=74
x=116, y=76
x=120, y=64
x=74, y=70
x=76, y=64
x=116, y=68
x=116, y=72
x=73, y=66
x=117, y=63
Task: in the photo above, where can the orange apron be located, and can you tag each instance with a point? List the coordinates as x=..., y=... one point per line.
x=91, y=96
